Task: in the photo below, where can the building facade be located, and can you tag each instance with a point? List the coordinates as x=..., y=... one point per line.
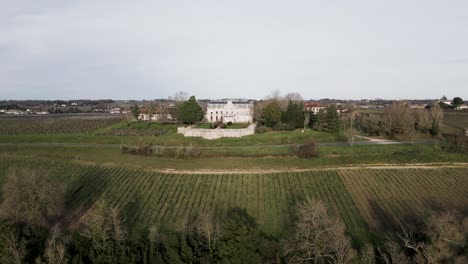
x=235, y=111
x=313, y=107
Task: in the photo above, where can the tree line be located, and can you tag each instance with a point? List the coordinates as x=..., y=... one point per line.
x=36, y=227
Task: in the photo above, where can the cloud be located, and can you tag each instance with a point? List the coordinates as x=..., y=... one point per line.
x=150, y=49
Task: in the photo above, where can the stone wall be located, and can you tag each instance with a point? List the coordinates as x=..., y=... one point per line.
x=216, y=133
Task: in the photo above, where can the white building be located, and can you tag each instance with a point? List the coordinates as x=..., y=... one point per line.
x=313, y=107
x=235, y=111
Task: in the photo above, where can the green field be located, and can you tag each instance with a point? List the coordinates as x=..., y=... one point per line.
x=246, y=158
x=367, y=200
x=65, y=129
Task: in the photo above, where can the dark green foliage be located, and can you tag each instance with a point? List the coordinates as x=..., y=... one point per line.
x=189, y=111
x=332, y=120
x=240, y=242
x=327, y=120
x=294, y=114
x=456, y=102
x=312, y=119
x=280, y=126
x=271, y=114
x=135, y=111
x=229, y=123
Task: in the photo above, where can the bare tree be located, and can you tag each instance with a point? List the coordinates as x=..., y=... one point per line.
x=14, y=246
x=32, y=197
x=294, y=96
x=317, y=237
x=367, y=255
x=103, y=223
x=55, y=251
x=180, y=96
x=447, y=235
x=209, y=229
x=437, y=116
x=349, y=131
x=394, y=253
x=397, y=119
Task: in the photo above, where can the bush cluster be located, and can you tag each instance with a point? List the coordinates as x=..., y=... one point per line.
x=261, y=129
x=181, y=152
x=283, y=127
x=306, y=151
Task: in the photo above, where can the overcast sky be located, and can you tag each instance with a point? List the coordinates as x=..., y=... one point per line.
x=57, y=49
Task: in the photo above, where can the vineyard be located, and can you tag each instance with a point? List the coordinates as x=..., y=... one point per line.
x=375, y=199
x=54, y=124
x=456, y=119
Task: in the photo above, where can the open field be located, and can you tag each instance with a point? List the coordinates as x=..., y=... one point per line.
x=368, y=200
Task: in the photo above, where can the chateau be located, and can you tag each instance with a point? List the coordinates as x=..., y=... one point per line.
x=230, y=110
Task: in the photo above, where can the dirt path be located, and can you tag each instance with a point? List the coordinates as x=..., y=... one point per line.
x=324, y=168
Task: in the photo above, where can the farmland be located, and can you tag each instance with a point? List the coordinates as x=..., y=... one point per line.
x=54, y=124
x=368, y=200
x=456, y=119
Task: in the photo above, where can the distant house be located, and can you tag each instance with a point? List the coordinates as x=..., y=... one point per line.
x=313, y=107
x=230, y=110
x=115, y=111
x=15, y=112
x=418, y=106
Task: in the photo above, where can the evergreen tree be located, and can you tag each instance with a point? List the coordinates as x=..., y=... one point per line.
x=135, y=111
x=332, y=120
x=294, y=114
x=240, y=242
x=271, y=114
x=189, y=111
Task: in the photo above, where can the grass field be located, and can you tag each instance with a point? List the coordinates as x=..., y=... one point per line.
x=244, y=158
x=368, y=201
x=171, y=139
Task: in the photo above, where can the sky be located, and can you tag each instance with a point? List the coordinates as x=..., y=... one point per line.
x=147, y=49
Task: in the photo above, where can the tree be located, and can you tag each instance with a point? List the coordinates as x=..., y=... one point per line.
x=240, y=241
x=332, y=121
x=444, y=239
x=135, y=111
x=210, y=230
x=317, y=238
x=398, y=119
x=180, y=96
x=271, y=114
x=32, y=197
x=294, y=114
x=350, y=132
x=456, y=102
x=189, y=111
x=437, y=115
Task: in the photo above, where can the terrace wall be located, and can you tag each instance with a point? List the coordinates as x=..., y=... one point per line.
x=216, y=133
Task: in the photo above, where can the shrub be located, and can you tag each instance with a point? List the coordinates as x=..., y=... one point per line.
x=283, y=127
x=229, y=123
x=221, y=125
x=261, y=129
x=306, y=151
